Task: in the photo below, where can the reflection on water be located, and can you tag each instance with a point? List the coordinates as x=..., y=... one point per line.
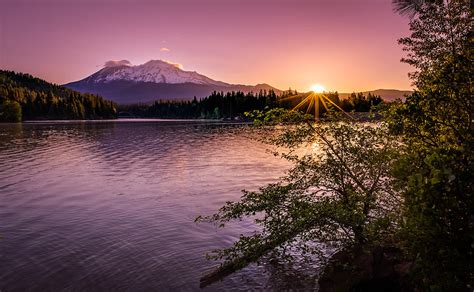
x=111, y=205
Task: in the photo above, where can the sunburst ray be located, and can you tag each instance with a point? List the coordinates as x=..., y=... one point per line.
x=338, y=107
x=311, y=103
x=313, y=100
x=307, y=99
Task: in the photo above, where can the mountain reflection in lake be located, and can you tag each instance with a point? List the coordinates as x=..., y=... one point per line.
x=111, y=205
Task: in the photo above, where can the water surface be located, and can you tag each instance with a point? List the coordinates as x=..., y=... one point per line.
x=111, y=205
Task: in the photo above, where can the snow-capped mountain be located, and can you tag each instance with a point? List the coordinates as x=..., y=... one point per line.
x=156, y=79
x=156, y=71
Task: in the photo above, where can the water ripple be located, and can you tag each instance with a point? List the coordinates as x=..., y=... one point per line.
x=110, y=205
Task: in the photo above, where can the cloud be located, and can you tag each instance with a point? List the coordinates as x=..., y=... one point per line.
x=164, y=49
x=177, y=65
x=114, y=63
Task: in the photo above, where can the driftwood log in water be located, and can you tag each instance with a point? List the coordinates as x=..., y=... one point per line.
x=268, y=244
x=228, y=268
x=217, y=275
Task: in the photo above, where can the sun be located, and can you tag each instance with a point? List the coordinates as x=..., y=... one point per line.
x=317, y=88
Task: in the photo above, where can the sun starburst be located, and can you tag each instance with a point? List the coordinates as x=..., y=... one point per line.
x=318, y=88
x=313, y=101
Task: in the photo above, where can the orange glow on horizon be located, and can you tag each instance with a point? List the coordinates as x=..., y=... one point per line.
x=317, y=88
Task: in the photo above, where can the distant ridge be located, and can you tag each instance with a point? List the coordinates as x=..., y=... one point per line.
x=386, y=94
x=156, y=79
x=125, y=83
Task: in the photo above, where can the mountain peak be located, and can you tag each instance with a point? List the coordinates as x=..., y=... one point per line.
x=154, y=71
x=156, y=62
x=115, y=63
x=124, y=82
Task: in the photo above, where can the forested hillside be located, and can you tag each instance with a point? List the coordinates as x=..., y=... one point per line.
x=24, y=97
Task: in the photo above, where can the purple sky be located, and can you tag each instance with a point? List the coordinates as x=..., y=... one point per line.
x=346, y=45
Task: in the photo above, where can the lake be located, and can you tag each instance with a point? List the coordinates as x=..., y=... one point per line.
x=110, y=205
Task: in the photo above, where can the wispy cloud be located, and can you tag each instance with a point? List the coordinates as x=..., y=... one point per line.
x=177, y=65
x=165, y=49
x=114, y=63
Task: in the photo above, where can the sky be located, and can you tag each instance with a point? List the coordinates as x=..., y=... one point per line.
x=345, y=45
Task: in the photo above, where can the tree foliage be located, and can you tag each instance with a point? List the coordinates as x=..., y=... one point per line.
x=215, y=106
x=234, y=104
x=410, y=7
x=337, y=195
x=407, y=180
x=435, y=172
x=42, y=100
x=10, y=111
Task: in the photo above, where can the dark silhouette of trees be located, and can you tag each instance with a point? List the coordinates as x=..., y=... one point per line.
x=340, y=195
x=358, y=102
x=406, y=183
x=409, y=7
x=435, y=171
x=234, y=104
x=39, y=99
x=10, y=111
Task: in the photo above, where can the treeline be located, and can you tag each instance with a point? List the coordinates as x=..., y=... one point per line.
x=24, y=97
x=234, y=104
x=357, y=102
x=215, y=106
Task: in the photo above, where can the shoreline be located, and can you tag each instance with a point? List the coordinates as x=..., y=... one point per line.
x=134, y=120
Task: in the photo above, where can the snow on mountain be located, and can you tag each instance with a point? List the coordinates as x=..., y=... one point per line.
x=156, y=71
x=124, y=83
